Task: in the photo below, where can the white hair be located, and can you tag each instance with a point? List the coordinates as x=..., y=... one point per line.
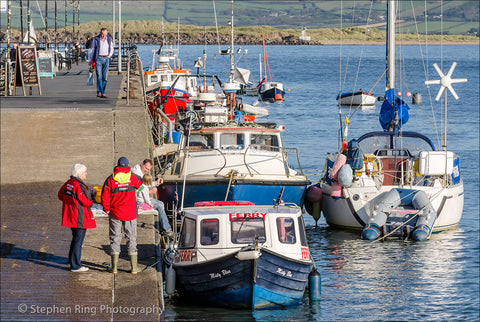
x=78, y=169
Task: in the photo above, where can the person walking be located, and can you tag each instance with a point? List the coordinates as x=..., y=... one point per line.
x=76, y=213
x=102, y=51
x=118, y=201
x=140, y=170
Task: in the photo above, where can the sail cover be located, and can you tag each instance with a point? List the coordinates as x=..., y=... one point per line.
x=391, y=107
x=241, y=76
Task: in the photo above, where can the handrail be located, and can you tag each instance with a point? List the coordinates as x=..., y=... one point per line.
x=287, y=173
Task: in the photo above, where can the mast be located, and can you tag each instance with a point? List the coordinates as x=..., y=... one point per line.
x=391, y=44
x=232, y=59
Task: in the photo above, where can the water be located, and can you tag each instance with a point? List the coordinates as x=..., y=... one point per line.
x=394, y=280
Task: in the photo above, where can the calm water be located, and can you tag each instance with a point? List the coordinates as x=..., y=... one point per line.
x=395, y=280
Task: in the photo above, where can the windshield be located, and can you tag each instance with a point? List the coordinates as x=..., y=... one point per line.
x=245, y=230
x=374, y=144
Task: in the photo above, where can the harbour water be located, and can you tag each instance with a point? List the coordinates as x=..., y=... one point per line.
x=394, y=280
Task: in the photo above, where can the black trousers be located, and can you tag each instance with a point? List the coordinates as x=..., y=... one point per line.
x=78, y=235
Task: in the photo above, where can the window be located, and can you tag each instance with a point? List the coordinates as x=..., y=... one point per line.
x=209, y=232
x=301, y=228
x=187, y=234
x=286, y=230
x=246, y=230
x=203, y=141
x=231, y=141
x=265, y=142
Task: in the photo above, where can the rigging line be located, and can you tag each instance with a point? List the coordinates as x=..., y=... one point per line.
x=216, y=26
x=370, y=91
x=363, y=47
x=424, y=59
x=428, y=117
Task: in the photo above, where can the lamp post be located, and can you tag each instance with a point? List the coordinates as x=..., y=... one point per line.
x=120, y=37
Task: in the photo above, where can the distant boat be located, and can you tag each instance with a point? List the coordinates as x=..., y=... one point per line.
x=360, y=98
x=239, y=255
x=267, y=89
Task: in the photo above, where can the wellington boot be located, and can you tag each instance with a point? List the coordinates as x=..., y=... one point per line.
x=114, y=267
x=133, y=262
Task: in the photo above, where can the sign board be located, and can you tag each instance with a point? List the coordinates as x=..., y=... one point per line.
x=3, y=6
x=45, y=67
x=48, y=53
x=3, y=78
x=26, y=66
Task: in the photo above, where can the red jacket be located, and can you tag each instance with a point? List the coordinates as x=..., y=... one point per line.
x=118, y=194
x=76, y=197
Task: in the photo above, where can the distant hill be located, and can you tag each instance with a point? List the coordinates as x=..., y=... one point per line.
x=459, y=17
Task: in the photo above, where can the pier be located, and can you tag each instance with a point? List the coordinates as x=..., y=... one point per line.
x=41, y=138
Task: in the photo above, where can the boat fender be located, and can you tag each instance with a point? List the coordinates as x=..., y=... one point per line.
x=170, y=281
x=426, y=219
x=336, y=191
x=371, y=232
x=314, y=193
x=345, y=176
x=315, y=285
x=339, y=162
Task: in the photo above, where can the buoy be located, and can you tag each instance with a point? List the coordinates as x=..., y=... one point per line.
x=344, y=146
x=399, y=93
x=339, y=162
x=336, y=190
x=170, y=281
x=345, y=176
x=278, y=97
x=408, y=94
x=314, y=193
x=315, y=285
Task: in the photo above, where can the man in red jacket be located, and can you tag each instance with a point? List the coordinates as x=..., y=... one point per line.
x=119, y=202
x=76, y=213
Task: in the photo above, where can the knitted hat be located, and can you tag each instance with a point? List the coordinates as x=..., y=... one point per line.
x=122, y=162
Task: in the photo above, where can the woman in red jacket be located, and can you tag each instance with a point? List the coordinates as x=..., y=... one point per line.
x=76, y=213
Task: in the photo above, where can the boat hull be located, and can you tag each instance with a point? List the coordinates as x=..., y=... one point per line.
x=272, y=280
x=260, y=193
x=271, y=94
x=356, y=99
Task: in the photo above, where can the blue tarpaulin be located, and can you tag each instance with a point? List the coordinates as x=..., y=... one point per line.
x=387, y=112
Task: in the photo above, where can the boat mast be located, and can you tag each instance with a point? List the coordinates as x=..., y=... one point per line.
x=232, y=59
x=391, y=44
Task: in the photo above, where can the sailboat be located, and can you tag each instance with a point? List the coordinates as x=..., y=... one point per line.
x=394, y=183
x=267, y=89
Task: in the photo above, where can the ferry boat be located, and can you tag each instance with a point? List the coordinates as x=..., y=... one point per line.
x=241, y=255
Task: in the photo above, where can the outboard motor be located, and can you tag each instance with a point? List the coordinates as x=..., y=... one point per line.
x=426, y=220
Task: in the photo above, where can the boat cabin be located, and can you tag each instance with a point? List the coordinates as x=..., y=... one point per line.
x=210, y=231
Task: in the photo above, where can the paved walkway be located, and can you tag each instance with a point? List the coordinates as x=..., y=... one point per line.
x=41, y=138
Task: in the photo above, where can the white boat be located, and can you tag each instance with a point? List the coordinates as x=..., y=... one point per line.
x=393, y=183
x=241, y=255
x=354, y=99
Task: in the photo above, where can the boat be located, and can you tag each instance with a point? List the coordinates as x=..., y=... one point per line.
x=241, y=255
x=354, y=99
x=160, y=78
x=392, y=183
x=223, y=154
x=267, y=89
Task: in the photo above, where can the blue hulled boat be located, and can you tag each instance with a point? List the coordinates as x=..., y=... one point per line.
x=242, y=256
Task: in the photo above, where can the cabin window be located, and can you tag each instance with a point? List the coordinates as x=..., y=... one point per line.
x=246, y=230
x=209, y=232
x=286, y=230
x=154, y=78
x=165, y=78
x=303, y=235
x=200, y=141
x=187, y=234
x=231, y=141
x=264, y=142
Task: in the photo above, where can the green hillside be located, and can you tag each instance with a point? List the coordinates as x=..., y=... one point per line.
x=459, y=17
